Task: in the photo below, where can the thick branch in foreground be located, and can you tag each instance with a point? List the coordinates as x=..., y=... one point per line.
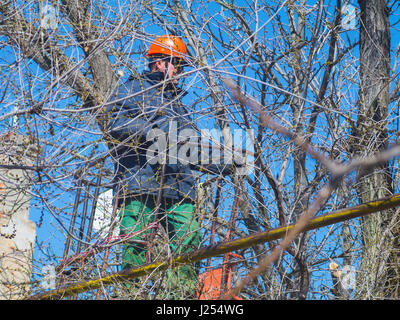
x=222, y=248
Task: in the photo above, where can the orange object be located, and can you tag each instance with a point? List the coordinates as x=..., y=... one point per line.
x=212, y=281
x=168, y=45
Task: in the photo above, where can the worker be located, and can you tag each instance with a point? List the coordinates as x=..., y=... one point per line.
x=155, y=193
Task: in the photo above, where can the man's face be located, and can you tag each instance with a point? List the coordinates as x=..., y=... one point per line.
x=171, y=68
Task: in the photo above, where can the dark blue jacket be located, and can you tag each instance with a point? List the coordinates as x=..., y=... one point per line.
x=138, y=106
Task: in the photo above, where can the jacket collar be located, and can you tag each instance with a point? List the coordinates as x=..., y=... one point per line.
x=157, y=78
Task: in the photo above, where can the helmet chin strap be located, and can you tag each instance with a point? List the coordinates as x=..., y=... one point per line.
x=166, y=74
x=166, y=68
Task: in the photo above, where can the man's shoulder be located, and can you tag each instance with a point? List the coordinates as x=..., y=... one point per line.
x=134, y=84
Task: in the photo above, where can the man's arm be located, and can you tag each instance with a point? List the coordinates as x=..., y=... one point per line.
x=205, y=155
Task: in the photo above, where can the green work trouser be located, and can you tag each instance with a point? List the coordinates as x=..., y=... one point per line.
x=183, y=231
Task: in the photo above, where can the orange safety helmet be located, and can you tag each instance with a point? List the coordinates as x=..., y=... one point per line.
x=168, y=45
